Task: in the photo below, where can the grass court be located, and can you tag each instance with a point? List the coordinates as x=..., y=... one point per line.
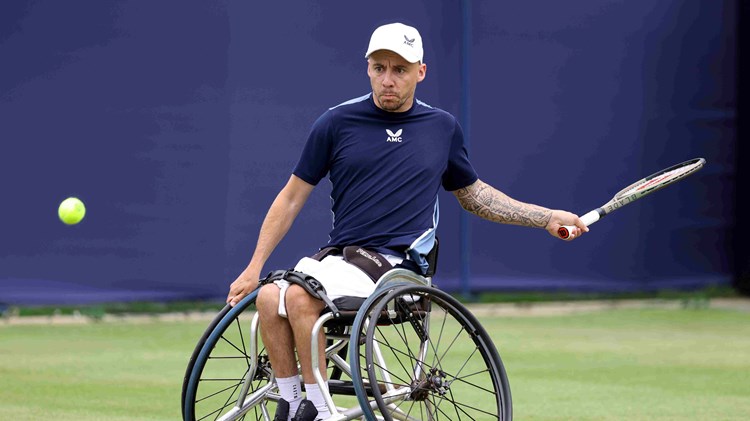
x=623, y=364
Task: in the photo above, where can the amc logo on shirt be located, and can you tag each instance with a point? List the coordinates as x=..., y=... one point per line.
x=394, y=137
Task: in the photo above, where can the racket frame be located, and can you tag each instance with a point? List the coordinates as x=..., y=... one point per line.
x=623, y=197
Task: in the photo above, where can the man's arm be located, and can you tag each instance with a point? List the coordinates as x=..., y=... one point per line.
x=489, y=203
x=279, y=218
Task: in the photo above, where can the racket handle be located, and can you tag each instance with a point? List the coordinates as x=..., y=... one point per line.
x=588, y=219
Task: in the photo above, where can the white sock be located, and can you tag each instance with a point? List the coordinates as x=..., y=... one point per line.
x=289, y=388
x=315, y=396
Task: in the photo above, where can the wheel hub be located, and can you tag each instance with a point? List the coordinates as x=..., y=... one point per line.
x=434, y=382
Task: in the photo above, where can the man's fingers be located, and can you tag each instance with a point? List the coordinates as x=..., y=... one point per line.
x=231, y=295
x=233, y=299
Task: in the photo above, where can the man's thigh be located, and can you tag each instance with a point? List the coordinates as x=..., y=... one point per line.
x=338, y=277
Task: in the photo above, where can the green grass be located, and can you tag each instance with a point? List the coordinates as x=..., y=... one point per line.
x=97, y=371
x=628, y=365
x=650, y=364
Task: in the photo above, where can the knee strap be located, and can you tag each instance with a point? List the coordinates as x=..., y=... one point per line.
x=310, y=284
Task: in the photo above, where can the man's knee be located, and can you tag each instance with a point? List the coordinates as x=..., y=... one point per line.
x=300, y=301
x=268, y=299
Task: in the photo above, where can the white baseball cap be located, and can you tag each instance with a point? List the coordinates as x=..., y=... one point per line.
x=401, y=39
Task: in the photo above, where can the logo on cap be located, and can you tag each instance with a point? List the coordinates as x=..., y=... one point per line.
x=409, y=42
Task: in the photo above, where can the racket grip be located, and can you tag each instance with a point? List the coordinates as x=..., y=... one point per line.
x=588, y=219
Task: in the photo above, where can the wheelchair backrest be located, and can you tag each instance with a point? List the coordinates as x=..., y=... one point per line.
x=432, y=258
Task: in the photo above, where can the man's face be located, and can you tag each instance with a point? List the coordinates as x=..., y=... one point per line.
x=393, y=80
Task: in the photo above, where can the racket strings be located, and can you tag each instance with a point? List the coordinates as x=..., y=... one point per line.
x=660, y=180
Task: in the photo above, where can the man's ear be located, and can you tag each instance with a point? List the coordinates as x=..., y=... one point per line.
x=422, y=72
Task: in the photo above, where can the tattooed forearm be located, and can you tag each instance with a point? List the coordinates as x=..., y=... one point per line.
x=485, y=201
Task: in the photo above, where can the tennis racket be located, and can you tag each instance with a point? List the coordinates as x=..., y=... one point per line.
x=637, y=190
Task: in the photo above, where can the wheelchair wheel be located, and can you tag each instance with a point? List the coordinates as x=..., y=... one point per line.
x=424, y=356
x=221, y=363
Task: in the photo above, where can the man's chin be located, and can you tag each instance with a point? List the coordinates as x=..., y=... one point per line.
x=390, y=104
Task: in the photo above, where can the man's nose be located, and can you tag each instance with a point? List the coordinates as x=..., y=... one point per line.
x=387, y=79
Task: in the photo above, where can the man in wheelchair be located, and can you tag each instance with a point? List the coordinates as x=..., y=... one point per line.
x=387, y=154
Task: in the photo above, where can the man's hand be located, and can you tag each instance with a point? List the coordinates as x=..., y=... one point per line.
x=560, y=218
x=243, y=285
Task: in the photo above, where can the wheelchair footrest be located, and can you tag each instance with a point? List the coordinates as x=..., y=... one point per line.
x=346, y=388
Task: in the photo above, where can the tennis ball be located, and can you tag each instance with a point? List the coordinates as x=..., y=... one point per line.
x=71, y=211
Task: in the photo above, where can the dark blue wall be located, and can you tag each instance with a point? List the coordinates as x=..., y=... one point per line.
x=177, y=122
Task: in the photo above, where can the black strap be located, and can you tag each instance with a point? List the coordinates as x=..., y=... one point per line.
x=310, y=284
x=328, y=251
x=410, y=265
x=372, y=263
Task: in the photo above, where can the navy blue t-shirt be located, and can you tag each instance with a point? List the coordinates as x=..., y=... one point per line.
x=386, y=170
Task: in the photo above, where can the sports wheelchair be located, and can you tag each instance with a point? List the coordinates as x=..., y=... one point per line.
x=407, y=352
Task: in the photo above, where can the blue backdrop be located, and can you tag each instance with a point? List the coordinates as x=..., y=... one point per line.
x=177, y=122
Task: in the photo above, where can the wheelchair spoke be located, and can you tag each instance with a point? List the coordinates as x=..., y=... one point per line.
x=398, y=354
x=242, y=341
x=243, y=354
x=220, y=391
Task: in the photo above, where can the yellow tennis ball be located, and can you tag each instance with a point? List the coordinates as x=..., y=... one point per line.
x=71, y=211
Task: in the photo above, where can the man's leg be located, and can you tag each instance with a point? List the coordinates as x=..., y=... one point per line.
x=304, y=311
x=340, y=279
x=276, y=333
x=279, y=342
